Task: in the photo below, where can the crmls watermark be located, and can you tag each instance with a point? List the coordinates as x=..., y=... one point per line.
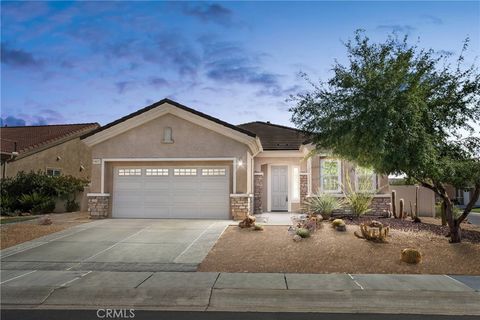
x=116, y=313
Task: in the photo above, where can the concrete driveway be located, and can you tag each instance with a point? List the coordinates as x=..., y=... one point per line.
x=119, y=245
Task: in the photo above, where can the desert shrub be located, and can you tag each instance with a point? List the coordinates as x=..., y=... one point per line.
x=323, y=203
x=359, y=200
x=6, y=205
x=302, y=232
x=38, y=184
x=337, y=222
x=72, y=206
x=37, y=203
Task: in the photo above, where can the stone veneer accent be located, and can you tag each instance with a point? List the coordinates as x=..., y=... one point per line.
x=257, y=193
x=98, y=205
x=240, y=206
x=381, y=203
x=303, y=187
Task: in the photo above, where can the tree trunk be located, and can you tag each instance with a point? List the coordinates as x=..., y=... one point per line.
x=454, y=224
x=455, y=232
x=443, y=213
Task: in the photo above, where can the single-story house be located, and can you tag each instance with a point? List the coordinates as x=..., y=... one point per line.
x=53, y=149
x=170, y=161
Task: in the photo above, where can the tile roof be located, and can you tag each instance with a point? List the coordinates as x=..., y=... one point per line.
x=27, y=138
x=276, y=137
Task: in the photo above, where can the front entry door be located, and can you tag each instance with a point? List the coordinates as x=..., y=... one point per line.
x=279, y=188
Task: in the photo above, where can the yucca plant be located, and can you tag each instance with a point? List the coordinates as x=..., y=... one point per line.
x=359, y=201
x=322, y=203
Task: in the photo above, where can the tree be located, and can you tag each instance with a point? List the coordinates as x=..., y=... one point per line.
x=400, y=109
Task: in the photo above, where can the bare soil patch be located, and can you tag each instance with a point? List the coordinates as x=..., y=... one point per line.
x=16, y=233
x=330, y=251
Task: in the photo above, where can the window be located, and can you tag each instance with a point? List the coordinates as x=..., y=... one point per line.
x=366, y=179
x=213, y=172
x=167, y=135
x=53, y=172
x=330, y=175
x=156, y=172
x=184, y=172
x=296, y=183
x=129, y=172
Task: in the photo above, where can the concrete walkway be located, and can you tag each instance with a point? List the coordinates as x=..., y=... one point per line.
x=279, y=292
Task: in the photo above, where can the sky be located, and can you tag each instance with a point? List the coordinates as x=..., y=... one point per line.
x=76, y=62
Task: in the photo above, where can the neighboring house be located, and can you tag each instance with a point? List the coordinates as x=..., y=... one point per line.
x=53, y=149
x=170, y=161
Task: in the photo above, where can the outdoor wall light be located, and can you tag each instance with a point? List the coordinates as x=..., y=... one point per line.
x=240, y=163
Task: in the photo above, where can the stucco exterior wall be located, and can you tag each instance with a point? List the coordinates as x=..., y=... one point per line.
x=190, y=141
x=73, y=154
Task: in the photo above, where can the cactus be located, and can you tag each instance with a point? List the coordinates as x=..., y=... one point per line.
x=394, y=203
x=374, y=231
x=416, y=202
x=412, y=256
x=337, y=222
x=401, y=215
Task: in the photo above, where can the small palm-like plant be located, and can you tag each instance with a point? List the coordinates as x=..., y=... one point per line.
x=322, y=203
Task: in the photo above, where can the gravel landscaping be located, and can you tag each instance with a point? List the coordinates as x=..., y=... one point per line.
x=330, y=251
x=16, y=233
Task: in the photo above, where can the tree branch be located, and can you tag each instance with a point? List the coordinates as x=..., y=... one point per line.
x=471, y=203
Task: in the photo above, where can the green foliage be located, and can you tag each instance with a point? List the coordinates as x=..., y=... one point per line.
x=400, y=110
x=72, y=206
x=323, y=203
x=37, y=192
x=302, y=232
x=37, y=203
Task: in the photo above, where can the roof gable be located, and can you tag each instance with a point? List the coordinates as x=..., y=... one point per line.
x=276, y=137
x=167, y=106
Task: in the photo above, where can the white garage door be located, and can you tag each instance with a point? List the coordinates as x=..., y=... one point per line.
x=171, y=192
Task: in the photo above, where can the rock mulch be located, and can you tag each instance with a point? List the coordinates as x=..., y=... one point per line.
x=408, y=225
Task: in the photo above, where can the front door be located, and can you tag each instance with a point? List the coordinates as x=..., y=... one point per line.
x=279, y=188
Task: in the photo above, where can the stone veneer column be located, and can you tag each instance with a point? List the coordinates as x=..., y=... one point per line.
x=98, y=205
x=303, y=187
x=257, y=192
x=240, y=205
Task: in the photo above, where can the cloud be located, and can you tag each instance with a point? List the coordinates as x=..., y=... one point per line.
x=229, y=62
x=215, y=13
x=11, y=121
x=21, y=11
x=124, y=86
x=158, y=82
x=405, y=28
x=43, y=117
x=432, y=19
x=18, y=57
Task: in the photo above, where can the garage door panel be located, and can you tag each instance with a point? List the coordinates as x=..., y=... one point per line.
x=170, y=196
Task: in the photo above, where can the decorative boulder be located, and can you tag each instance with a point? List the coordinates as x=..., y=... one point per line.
x=248, y=222
x=297, y=238
x=45, y=221
x=412, y=256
